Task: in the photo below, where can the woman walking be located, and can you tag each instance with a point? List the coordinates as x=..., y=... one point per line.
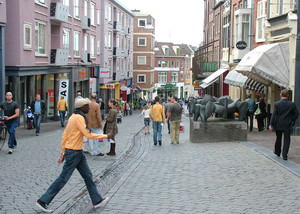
x=111, y=125
x=261, y=105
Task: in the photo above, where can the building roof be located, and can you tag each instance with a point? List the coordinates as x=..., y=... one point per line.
x=184, y=49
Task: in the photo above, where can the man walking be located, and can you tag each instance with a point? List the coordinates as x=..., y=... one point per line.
x=11, y=113
x=174, y=115
x=157, y=115
x=62, y=107
x=72, y=153
x=95, y=125
x=251, y=110
x=102, y=108
x=39, y=109
x=283, y=119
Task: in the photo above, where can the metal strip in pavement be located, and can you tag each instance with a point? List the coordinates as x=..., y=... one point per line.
x=289, y=165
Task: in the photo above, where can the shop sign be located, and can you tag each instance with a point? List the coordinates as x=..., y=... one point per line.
x=104, y=72
x=93, y=85
x=241, y=45
x=51, y=95
x=83, y=74
x=110, y=86
x=64, y=89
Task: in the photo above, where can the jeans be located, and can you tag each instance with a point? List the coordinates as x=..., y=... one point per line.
x=11, y=128
x=175, y=131
x=37, y=122
x=94, y=148
x=250, y=116
x=74, y=159
x=157, y=136
x=62, y=117
x=102, y=113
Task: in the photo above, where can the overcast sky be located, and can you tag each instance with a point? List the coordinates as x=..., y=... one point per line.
x=175, y=21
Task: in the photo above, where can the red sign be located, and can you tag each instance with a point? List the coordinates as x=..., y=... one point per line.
x=51, y=95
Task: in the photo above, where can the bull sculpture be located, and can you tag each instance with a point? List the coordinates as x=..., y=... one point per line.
x=224, y=107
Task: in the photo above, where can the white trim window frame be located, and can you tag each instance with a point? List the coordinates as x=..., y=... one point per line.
x=85, y=42
x=162, y=77
x=141, y=78
x=66, y=39
x=142, y=22
x=41, y=2
x=67, y=4
x=141, y=60
x=27, y=36
x=76, y=9
x=40, y=38
x=174, y=77
x=92, y=13
x=260, y=21
x=142, y=41
x=92, y=46
x=76, y=40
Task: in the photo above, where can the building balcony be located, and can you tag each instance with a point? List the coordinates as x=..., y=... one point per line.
x=59, y=12
x=117, y=52
x=86, y=23
x=117, y=26
x=86, y=57
x=59, y=56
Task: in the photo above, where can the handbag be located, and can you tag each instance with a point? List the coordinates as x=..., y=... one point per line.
x=257, y=112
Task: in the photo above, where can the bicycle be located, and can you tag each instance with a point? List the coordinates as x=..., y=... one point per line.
x=3, y=133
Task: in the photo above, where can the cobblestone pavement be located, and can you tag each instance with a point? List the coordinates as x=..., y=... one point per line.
x=29, y=171
x=211, y=178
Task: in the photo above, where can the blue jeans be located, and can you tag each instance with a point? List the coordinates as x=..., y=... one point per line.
x=74, y=159
x=11, y=128
x=37, y=122
x=156, y=131
x=62, y=117
x=102, y=113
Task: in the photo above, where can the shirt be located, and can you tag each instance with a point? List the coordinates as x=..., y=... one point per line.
x=37, y=107
x=9, y=108
x=157, y=113
x=73, y=135
x=146, y=113
x=62, y=105
x=176, y=110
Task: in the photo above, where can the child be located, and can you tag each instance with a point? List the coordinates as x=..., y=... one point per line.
x=145, y=113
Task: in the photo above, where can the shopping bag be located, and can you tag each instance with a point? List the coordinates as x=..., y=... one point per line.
x=181, y=127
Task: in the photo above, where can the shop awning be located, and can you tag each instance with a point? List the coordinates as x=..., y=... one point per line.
x=212, y=78
x=237, y=79
x=267, y=64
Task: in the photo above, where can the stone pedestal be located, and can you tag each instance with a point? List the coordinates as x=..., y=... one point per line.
x=217, y=130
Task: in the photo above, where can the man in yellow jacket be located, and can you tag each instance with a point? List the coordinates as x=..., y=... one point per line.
x=62, y=107
x=72, y=153
x=157, y=115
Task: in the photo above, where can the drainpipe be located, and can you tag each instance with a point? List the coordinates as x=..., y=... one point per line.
x=297, y=73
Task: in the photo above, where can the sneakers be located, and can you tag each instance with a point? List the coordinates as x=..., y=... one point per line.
x=104, y=199
x=10, y=151
x=42, y=206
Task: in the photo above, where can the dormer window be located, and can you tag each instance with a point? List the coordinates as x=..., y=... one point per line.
x=165, y=49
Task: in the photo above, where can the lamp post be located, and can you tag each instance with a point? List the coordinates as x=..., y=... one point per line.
x=297, y=72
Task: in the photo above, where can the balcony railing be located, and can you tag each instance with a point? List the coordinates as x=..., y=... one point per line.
x=59, y=12
x=59, y=56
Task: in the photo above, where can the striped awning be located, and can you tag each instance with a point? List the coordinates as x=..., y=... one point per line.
x=253, y=85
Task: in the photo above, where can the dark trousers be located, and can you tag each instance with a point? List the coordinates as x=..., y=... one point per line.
x=260, y=123
x=250, y=116
x=286, y=142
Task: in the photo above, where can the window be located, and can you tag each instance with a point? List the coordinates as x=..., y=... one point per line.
x=85, y=42
x=27, y=36
x=67, y=4
x=141, y=41
x=141, y=78
x=174, y=77
x=108, y=39
x=40, y=38
x=66, y=38
x=76, y=43
x=260, y=21
x=108, y=13
x=226, y=31
x=165, y=49
x=245, y=28
x=85, y=8
x=98, y=47
x=92, y=47
x=162, y=77
x=92, y=13
x=142, y=22
x=141, y=60
x=76, y=9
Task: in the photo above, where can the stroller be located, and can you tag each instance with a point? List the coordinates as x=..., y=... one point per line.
x=119, y=116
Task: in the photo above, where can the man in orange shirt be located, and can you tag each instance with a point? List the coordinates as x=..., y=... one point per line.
x=72, y=152
x=62, y=107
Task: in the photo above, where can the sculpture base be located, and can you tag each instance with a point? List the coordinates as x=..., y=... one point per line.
x=217, y=130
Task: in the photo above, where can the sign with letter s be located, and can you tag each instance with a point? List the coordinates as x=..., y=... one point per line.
x=64, y=89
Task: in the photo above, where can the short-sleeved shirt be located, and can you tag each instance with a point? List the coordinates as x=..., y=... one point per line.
x=9, y=108
x=176, y=111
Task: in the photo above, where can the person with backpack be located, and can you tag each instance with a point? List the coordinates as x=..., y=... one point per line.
x=250, y=111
